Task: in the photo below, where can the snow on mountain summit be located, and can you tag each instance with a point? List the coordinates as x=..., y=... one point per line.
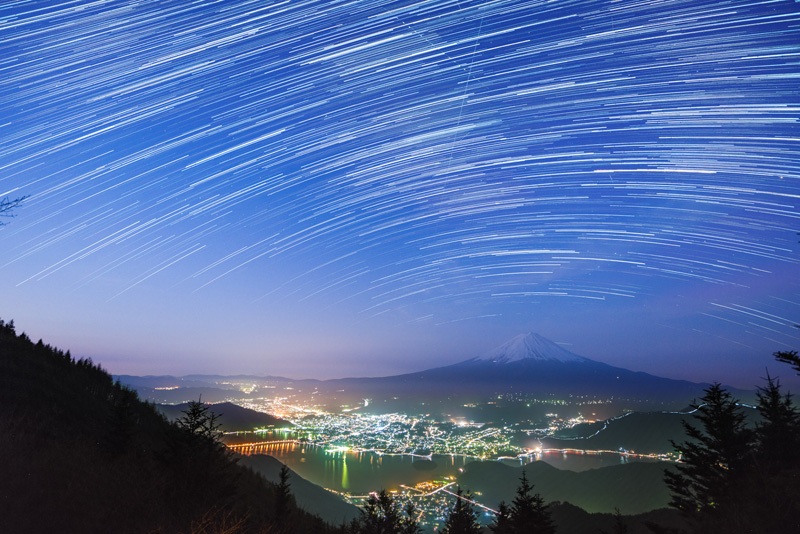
x=531, y=347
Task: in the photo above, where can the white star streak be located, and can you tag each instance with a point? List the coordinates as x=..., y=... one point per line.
x=417, y=160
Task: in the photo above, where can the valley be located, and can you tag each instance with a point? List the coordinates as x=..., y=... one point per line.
x=423, y=461
x=421, y=458
x=594, y=435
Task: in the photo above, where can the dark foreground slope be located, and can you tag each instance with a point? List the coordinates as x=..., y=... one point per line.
x=81, y=453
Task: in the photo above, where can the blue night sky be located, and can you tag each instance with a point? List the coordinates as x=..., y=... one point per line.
x=337, y=188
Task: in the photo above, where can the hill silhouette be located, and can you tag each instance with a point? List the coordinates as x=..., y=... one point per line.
x=82, y=453
x=573, y=520
x=232, y=417
x=647, y=432
x=634, y=488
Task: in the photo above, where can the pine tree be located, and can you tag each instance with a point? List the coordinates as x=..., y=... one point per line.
x=771, y=485
x=372, y=517
x=778, y=434
x=790, y=357
x=381, y=515
x=198, y=419
x=502, y=519
x=283, y=498
x=734, y=479
x=528, y=513
x=704, y=487
x=409, y=524
x=462, y=519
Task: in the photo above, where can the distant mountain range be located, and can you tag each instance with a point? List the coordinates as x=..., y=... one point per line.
x=528, y=364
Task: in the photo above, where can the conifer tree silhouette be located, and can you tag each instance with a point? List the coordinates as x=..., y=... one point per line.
x=463, y=519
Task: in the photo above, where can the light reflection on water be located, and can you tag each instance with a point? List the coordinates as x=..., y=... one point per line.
x=361, y=472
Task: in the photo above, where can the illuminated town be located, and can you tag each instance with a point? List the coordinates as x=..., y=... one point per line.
x=420, y=437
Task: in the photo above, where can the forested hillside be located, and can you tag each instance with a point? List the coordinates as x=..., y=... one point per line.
x=82, y=453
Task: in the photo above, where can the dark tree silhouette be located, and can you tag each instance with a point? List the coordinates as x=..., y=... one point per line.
x=462, y=519
x=620, y=525
x=790, y=357
x=409, y=525
x=502, y=519
x=89, y=456
x=703, y=486
x=381, y=515
x=528, y=512
x=198, y=419
x=778, y=433
x=283, y=498
x=120, y=423
x=769, y=497
x=738, y=479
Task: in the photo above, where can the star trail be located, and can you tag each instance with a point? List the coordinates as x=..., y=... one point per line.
x=364, y=187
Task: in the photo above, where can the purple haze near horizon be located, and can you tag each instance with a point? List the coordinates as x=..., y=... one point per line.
x=327, y=189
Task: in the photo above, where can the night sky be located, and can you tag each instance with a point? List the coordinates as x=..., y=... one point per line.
x=338, y=188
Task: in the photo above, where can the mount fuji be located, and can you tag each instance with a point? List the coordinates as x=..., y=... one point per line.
x=530, y=365
x=532, y=347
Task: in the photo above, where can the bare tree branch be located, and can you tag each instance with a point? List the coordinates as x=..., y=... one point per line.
x=6, y=207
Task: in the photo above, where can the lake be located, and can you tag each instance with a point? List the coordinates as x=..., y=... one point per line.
x=359, y=473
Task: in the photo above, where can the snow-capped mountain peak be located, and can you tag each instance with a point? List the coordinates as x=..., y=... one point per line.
x=531, y=347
